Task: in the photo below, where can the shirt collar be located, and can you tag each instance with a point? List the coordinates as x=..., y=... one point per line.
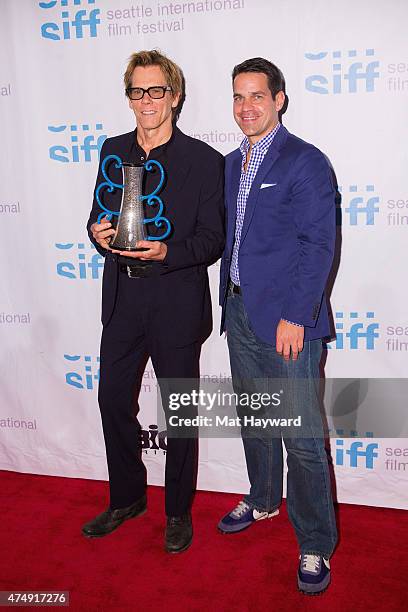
x=263, y=144
x=160, y=150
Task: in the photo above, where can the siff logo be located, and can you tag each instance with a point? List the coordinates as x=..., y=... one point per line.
x=361, y=206
x=85, y=261
x=88, y=374
x=357, y=450
x=73, y=23
x=343, y=75
x=153, y=439
x=359, y=335
x=78, y=150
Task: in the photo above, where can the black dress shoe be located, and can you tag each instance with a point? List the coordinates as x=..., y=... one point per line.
x=109, y=520
x=179, y=533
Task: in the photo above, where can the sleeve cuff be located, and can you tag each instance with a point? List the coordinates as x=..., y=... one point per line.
x=293, y=323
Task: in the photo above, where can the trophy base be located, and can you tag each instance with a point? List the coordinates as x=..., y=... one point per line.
x=127, y=249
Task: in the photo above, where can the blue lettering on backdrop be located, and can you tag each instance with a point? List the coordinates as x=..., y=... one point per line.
x=361, y=207
x=339, y=73
x=85, y=262
x=85, y=22
x=360, y=335
x=81, y=147
x=357, y=450
x=85, y=379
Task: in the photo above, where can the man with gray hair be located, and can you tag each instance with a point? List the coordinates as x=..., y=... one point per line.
x=155, y=301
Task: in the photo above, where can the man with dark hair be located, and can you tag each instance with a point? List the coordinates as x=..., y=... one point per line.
x=155, y=301
x=280, y=242
x=259, y=65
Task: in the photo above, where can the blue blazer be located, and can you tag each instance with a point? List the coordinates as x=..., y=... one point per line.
x=287, y=240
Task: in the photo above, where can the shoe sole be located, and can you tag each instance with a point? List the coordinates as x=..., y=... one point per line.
x=91, y=536
x=316, y=593
x=270, y=516
x=236, y=531
x=305, y=591
x=179, y=550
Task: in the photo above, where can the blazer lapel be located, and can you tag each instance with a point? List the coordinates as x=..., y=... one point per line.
x=232, y=199
x=270, y=158
x=128, y=145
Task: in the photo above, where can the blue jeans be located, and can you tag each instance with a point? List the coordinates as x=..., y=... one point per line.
x=254, y=365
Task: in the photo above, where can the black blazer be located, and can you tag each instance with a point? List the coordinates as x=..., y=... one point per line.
x=193, y=200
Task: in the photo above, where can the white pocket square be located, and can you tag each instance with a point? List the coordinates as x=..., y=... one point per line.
x=265, y=185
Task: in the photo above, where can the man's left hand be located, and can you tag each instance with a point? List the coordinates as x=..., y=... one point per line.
x=289, y=339
x=157, y=251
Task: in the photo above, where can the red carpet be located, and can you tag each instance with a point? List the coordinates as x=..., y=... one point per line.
x=42, y=548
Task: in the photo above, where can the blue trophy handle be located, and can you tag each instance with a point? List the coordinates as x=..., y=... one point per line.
x=117, y=165
x=110, y=185
x=151, y=201
x=149, y=166
x=153, y=198
x=158, y=221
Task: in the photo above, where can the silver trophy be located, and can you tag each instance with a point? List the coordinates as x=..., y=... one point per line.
x=131, y=226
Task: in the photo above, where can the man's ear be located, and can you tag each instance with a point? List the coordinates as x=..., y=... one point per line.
x=176, y=100
x=279, y=100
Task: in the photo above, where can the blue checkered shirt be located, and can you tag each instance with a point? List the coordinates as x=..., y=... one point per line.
x=258, y=152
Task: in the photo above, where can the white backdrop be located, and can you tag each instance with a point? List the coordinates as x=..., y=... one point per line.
x=61, y=94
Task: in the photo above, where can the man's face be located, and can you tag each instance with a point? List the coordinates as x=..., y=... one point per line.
x=254, y=109
x=152, y=114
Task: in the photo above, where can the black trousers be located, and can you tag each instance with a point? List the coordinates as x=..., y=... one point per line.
x=133, y=334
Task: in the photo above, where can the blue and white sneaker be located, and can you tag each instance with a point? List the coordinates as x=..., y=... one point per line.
x=313, y=574
x=241, y=517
